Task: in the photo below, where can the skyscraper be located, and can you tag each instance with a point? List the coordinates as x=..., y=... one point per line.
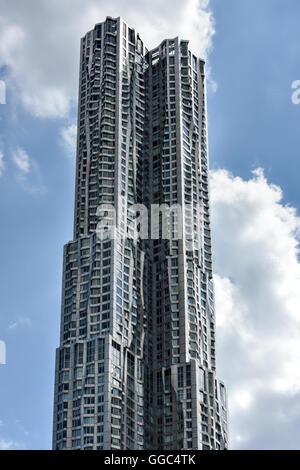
x=136, y=364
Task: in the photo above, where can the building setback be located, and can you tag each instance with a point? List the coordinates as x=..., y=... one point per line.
x=136, y=366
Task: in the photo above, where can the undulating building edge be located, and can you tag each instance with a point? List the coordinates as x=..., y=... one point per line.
x=136, y=365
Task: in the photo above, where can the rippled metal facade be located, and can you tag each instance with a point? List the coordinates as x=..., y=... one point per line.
x=136, y=364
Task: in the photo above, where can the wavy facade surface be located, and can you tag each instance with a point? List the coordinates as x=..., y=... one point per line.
x=136, y=364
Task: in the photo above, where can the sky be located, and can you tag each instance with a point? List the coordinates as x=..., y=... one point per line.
x=252, y=52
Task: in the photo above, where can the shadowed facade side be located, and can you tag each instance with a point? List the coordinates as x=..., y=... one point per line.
x=136, y=364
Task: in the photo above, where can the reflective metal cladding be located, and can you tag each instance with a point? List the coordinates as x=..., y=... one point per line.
x=136, y=365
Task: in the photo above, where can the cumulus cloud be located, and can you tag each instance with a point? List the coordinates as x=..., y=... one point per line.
x=42, y=56
x=69, y=138
x=257, y=282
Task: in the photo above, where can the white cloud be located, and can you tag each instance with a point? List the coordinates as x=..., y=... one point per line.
x=1, y=163
x=257, y=303
x=7, y=445
x=20, y=321
x=28, y=173
x=42, y=56
x=69, y=138
x=21, y=160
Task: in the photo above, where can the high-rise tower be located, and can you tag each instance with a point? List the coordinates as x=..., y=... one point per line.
x=136, y=364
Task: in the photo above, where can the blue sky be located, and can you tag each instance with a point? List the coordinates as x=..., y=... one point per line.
x=252, y=119
x=253, y=57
